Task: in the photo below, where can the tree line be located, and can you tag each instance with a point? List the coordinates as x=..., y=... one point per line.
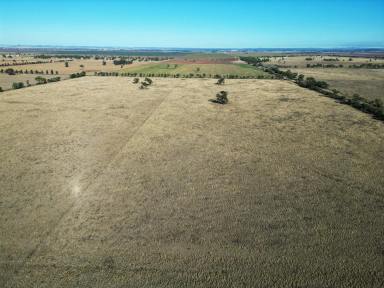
x=255, y=61
x=178, y=75
x=22, y=63
x=11, y=71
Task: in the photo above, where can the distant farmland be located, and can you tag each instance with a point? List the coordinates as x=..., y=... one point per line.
x=202, y=69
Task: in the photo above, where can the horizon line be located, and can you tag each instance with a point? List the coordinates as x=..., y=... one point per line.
x=180, y=48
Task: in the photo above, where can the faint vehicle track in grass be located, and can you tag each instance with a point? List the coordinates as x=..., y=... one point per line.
x=51, y=229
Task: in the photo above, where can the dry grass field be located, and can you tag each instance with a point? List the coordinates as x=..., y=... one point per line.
x=368, y=83
x=6, y=80
x=301, y=62
x=106, y=185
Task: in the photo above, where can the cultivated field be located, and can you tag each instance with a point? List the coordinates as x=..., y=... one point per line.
x=102, y=183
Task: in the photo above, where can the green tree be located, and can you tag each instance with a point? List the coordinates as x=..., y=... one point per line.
x=300, y=78
x=220, y=81
x=17, y=85
x=221, y=98
x=144, y=85
x=148, y=80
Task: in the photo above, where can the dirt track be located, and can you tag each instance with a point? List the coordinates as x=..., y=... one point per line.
x=106, y=185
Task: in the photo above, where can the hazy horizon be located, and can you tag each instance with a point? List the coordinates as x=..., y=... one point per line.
x=200, y=24
x=283, y=48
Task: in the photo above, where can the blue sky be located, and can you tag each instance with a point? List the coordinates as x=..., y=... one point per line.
x=199, y=24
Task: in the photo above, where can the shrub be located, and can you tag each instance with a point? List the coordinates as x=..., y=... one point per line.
x=54, y=79
x=136, y=80
x=10, y=71
x=40, y=80
x=77, y=75
x=1, y=89
x=17, y=85
x=378, y=103
x=221, y=98
x=312, y=83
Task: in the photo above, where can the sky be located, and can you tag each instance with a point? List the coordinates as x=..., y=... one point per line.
x=194, y=24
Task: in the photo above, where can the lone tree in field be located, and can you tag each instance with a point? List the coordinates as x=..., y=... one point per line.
x=66, y=64
x=136, y=80
x=144, y=85
x=148, y=80
x=221, y=98
x=220, y=81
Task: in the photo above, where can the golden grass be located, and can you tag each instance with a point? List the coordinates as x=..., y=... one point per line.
x=368, y=83
x=300, y=61
x=104, y=183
